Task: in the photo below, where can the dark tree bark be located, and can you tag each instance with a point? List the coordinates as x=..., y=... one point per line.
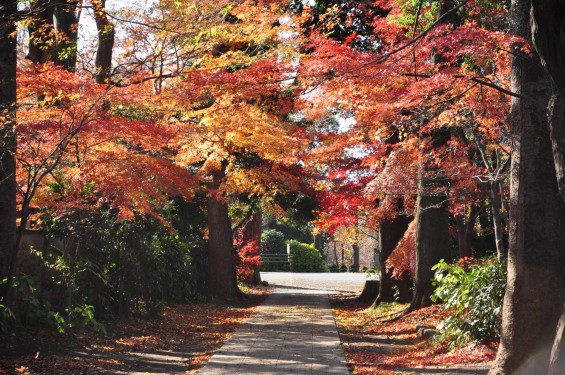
x=8, y=60
x=432, y=240
x=67, y=33
x=355, y=265
x=222, y=280
x=432, y=231
x=548, y=33
x=390, y=233
x=465, y=227
x=535, y=292
x=106, y=34
x=41, y=32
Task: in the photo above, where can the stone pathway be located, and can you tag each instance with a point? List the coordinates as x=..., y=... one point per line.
x=292, y=332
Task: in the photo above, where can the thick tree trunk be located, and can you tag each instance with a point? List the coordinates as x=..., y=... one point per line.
x=432, y=231
x=8, y=60
x=432, y=242
x=535, y=292
x=222, y=280
x=106, y=34
x=548, y=26
x=67, y=33
x=390, y=233
x=41, y=32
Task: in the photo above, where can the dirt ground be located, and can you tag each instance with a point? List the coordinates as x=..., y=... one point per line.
x=373, y=345
x=181, y=340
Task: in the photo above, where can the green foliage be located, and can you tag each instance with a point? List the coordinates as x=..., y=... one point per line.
x=134, y=113
x=373, y=272
x=306, y=258
x=127, y=266
x=472, y=291
x=273, y=242
x=36, y=312
x=6, y=317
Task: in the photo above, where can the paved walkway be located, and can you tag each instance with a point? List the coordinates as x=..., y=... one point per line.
x=292, y=332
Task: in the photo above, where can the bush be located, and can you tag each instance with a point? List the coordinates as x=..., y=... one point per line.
x=272, y=242
x=472, y=291
x=306, y=258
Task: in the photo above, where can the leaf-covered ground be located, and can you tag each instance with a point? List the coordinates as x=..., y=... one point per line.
x=374, y=345
x=182, y=339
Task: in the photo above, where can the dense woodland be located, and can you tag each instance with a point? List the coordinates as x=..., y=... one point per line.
x=149, y=148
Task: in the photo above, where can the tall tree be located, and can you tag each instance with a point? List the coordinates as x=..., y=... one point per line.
x=41, y=31
x=222, y=279
x=67, y=14
x=8, y=61
x=536, y=287
x=106, y=36
x=432, y=229
x=390, y=233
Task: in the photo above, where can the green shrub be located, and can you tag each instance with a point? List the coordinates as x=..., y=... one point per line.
x=472, y=291
x=306, y=258
x=272, y=242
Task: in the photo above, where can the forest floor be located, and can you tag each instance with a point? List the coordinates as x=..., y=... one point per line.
x=183, y=338
x=374, y=346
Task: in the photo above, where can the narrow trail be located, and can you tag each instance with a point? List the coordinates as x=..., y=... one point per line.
x=292, y=332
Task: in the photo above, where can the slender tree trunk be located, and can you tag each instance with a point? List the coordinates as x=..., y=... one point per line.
x=355, y=265
x=535, y=292
x=465, y=226
x=221, y=274
x=390, y=233
x=8, y=143
x=496, y=206
x=106, y=35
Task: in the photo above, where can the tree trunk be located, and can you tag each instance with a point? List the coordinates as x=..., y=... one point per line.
x=557, y=362
x=535, y=292
x=67, y=33
x=432, y=241
x=355, y=265
x=370, y=291
x=222, y=280
x=432, y=231
x=106, y=34
x=8, y=60
x=390, y=233
x=41, y=32
x=465, y=227
x=496, y=207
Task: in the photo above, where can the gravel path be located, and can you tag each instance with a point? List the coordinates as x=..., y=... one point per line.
x=332, y=282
